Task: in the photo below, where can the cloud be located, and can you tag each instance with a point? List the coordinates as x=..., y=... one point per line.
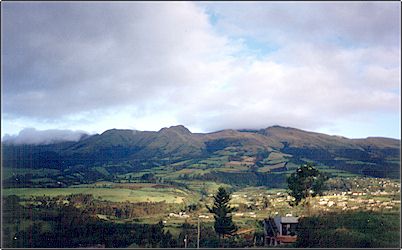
x=352, y=24
x=209, y=66
x=302, y=86
x=33, y=136
x=66, y=58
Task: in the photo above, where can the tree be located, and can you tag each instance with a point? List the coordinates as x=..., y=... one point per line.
x=305, y=183
x=188, y=233
x=259, y=233
x=265, y=202
x=222, y=214
x=148, y=177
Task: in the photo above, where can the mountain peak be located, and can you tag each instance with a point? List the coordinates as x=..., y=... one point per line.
x=115, y=131
x=280, y=127
x=178, y=128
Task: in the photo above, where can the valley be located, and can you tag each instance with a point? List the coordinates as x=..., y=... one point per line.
x=200, y=124
x=132, y=178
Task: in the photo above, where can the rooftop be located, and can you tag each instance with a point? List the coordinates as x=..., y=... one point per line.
x=289, y=219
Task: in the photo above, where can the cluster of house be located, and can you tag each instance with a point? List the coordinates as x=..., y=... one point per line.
x=374, y=184
x=375, y=193
x=179, y=215
x=282, y=229
x=184, y=215
x=258, y=200
x=249, y=214
x=354, y=203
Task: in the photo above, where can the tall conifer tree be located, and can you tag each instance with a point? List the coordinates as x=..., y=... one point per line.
x=222, y=213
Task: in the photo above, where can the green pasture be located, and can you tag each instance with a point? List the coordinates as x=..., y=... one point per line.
x=232, y=169
x=338, y=172
x=270, y=167
x=209, y=186
x=360, y=163
x=170, y=195
x=9, y=172
x=186, y=171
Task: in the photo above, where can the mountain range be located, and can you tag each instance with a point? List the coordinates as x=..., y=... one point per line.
x=265, y=151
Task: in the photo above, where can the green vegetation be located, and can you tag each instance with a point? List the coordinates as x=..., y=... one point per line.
x=222, y=214
x=171, y=195
x=175, y=153
x=349, y=230
x=253, y=204
x=66, y=226
x=126, y=182
x=306, y=182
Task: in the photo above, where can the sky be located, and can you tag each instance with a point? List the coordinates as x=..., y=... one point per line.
x=84, y=67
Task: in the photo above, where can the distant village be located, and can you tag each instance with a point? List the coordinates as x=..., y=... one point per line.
x=365, y=193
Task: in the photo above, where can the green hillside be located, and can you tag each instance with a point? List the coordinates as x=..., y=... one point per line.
x=235, y=157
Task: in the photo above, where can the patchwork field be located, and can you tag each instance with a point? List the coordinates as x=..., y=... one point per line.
x=143, y=194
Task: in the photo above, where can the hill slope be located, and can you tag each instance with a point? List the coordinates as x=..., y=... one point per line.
x=259, y=153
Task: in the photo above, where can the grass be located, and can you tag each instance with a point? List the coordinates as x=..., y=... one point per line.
x=269, y=168
x=42, y=180
x=351, y=229
x=229, y=169
x=346, y=174
x=337, y=172
x=157, y=171
x=292, y=166
x=275, y=156
x=209, y=186
x=360, y=163
x=170, y=195
x=102, y=170
x=186, y=171
x=216, y=160
x=180, y=163
x=9, y=172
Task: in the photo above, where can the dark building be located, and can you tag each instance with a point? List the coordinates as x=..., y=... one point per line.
x=280, y=230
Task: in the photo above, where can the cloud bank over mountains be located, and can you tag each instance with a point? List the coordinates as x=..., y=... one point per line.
x=33, y=136
x=209, y=66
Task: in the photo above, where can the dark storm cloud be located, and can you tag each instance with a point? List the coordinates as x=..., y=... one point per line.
x=64, y=58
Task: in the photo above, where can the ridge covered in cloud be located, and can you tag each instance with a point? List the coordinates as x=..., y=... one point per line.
x=33, y=136
x=206, y=65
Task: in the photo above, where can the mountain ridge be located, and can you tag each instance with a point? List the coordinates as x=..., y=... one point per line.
x=263, y=152
x=182, y=128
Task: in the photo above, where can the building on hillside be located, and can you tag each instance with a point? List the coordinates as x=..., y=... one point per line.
x=280, y=230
